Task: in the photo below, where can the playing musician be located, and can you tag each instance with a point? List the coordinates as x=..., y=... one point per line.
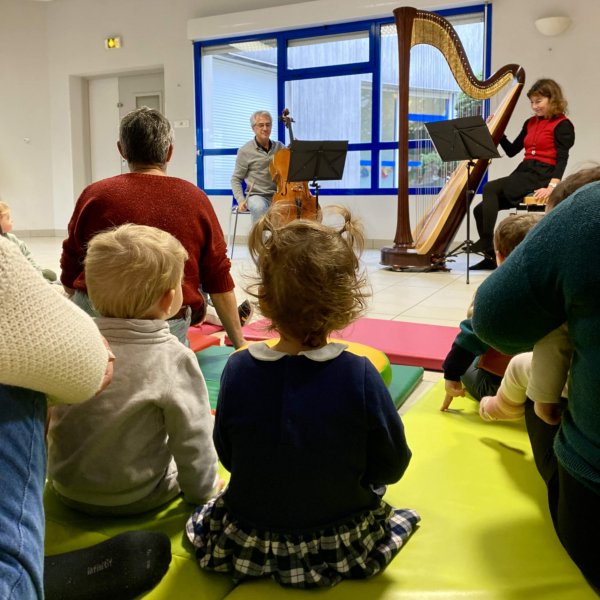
x=252, y=166
x=547, y=137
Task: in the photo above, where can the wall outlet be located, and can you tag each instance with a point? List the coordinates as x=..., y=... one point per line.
x=182, y=123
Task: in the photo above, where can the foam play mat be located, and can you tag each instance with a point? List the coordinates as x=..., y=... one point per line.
x=412, y=344
x=402, y=379
x=485, y=532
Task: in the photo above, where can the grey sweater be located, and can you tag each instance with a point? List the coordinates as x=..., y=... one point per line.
x=252, y=166
x=151, y=428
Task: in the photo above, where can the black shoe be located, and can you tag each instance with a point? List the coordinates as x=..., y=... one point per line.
x=481, y=246
x=487, y=264
x=245, y=310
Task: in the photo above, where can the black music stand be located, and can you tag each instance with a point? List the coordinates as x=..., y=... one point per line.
x=317, y=160
x=466, y=138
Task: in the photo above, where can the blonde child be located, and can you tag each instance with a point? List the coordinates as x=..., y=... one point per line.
x=308, y=431
x=147, y=437
x=6, y=227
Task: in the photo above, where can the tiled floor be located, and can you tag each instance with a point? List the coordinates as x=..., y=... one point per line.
x=436, y=298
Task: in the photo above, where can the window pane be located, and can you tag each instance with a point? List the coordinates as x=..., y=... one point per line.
x=217, y=172
x=324, y=51
x=331, y=108
x=237, y=79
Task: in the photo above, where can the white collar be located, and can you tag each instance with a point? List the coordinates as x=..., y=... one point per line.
x=261, y=351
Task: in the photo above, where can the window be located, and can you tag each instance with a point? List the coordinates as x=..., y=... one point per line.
x=338, y=82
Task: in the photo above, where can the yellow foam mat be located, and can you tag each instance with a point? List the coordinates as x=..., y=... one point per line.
x=485, y=532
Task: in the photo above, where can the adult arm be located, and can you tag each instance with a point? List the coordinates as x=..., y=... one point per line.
x=388, y=453
x=513, y=148
x=189, y=426
x=564, y=138
x=47, y=344
x=239, y=174
x=226, y=306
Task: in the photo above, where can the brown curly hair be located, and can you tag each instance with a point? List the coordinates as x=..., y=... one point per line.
x=309, y=279
x=571, y=184
x=548, y=88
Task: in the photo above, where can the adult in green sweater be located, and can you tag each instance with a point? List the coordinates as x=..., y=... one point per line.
x=553, y=277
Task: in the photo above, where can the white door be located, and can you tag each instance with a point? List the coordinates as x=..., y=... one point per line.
x=110, y=99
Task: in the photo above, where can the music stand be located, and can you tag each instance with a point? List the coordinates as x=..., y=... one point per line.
x=317, y=160
x=466, y=138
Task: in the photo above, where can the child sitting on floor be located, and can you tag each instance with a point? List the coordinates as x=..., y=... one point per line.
x=6, y=226
x=308, y=431
x=540, y=375
x=471, y=364
x=147, y=437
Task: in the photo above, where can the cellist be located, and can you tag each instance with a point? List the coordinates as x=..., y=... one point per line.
x=252, y=166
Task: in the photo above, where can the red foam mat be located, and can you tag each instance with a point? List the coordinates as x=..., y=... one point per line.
x=412, y=344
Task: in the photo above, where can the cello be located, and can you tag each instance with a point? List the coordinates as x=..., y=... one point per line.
x=295, y=194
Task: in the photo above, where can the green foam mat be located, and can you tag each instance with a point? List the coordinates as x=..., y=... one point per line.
x=212, y=362
x=404, y=381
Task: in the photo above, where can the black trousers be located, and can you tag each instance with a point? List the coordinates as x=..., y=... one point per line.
x=575, y=509
x=507, y=192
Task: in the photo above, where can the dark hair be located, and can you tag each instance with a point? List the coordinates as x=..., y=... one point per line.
x=548, y=88
x=512, y=231
x=309, y=278
x=571, y=184
x=145, y=136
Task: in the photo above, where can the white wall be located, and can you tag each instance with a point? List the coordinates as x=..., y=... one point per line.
x=52, y=45
x=25, y=158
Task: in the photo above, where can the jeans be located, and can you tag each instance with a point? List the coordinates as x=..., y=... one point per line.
x=22, y=476
x=178, y=327
x=258, y=206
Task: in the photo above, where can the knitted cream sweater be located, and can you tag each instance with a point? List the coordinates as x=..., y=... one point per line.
x=47, y=344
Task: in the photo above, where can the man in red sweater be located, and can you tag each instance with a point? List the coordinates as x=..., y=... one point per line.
x=148, y=196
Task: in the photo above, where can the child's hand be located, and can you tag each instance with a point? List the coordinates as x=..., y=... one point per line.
x=109, y=367
x=453, y=389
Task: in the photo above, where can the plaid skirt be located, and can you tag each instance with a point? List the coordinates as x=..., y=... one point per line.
x=359, y=548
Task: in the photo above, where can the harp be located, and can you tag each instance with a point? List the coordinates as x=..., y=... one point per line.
x=427, y=245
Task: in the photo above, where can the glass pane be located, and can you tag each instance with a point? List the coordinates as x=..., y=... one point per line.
x=433, y=89
x=331, y=108
x=325, y=51
x=237, y=80
x=217, y=172
x=357, y=173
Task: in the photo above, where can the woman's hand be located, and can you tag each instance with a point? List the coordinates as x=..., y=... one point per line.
x=543, y=194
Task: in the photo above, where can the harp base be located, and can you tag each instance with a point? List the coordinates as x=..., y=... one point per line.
x=407, y=259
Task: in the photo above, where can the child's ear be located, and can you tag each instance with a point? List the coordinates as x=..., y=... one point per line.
x=166, y=301
x=500, y=258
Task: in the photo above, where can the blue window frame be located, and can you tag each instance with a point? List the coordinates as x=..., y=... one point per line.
x=310, y=71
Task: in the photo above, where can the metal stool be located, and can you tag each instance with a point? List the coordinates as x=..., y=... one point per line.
x=234, y=214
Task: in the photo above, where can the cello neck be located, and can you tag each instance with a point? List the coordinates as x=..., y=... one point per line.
x=287, y=119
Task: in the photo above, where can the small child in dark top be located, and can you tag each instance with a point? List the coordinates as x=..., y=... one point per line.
x=471, y=364
x=308, y=431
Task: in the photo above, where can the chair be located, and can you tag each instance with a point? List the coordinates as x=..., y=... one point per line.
x=531, y=204
x=234, y=214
